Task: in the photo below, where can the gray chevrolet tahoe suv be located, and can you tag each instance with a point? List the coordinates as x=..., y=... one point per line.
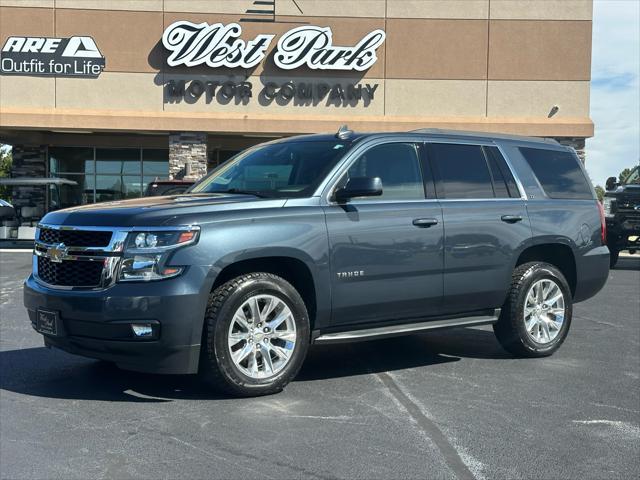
x=325, y=238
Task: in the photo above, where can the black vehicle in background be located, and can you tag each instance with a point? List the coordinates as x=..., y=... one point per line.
x=622, y=212
x=167, y=187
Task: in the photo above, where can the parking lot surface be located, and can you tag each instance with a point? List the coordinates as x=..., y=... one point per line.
x=449, y=404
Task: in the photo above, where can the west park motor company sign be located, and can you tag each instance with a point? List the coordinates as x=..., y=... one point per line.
x=309, y=46
x=216, y=45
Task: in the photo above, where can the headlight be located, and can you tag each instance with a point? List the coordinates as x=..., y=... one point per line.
x=159, y=241
x=609, y=205
x=146, y=253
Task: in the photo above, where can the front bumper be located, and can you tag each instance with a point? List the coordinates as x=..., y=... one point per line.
x=623, y=232
x=97, y=324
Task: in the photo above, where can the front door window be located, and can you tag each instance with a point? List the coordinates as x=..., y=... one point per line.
x=397, y=165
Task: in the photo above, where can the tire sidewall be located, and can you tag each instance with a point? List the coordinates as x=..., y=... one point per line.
x=536, y=273
x=262, y=285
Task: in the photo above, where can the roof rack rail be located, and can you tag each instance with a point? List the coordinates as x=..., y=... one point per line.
x=428, y=130
x=465, y=133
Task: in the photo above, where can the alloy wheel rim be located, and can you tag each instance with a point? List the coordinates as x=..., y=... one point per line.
x=544, y=310
x=262, y=336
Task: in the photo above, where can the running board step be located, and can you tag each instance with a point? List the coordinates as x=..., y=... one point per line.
x=407, y=328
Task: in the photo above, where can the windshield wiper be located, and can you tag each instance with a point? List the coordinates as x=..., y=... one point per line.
x=243, y=192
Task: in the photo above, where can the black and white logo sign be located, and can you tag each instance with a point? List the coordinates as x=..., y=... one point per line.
x=60, y=57
x=214, y=45
x=313, y=46
x=219, y=45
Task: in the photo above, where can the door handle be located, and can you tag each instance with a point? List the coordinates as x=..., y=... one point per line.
x=511, y=218
x=425, y=222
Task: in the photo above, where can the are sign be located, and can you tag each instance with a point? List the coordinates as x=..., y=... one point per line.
x=64, y=57
x=219, y=45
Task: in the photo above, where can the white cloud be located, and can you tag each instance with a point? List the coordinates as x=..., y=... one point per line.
x=615, y=88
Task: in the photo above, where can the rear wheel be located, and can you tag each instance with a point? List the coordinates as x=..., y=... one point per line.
x=256, y=335
x=535, y=319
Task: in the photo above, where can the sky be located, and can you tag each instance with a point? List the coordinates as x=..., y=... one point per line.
x=615, y=89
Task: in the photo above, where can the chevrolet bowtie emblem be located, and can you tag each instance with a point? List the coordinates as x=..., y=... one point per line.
x=57, y=253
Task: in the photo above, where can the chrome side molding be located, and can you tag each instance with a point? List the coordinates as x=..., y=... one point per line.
x=407, y=328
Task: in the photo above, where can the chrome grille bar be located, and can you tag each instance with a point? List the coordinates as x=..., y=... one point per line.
x=109, y=255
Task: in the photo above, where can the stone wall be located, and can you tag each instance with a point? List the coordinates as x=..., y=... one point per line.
x=29, y=161
x=187, y=155
x=577, y=143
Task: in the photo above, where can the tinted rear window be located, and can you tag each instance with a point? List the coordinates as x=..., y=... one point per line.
x=461, y=171
x=558, y=173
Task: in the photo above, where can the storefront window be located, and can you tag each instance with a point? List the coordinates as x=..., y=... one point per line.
x=104, y=174
x=64, y=196
x=155, y=163
x=116, y=187
x=71, y=160
x=120, y=161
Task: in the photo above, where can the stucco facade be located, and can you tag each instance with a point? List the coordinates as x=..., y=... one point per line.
x=515, y=66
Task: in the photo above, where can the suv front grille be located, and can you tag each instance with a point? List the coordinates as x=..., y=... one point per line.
x=70, y=273
x=75, y=238
x=78, y=257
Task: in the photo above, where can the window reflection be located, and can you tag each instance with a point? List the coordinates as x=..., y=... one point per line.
x=71, y=160
x=155, y=162
x=119, y=161
x=65, y=196
x=104, y=174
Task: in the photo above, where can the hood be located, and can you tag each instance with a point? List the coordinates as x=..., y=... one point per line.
x=158, y=211
x=631, y=188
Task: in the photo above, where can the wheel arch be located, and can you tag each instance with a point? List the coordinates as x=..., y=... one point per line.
x=294, y=266
x=558, y=254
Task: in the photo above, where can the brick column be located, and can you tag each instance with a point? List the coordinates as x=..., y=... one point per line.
x=577, y=143
x=187, y=155
x=29, y=161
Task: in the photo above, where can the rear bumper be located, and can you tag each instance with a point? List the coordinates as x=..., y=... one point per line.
x=592, y=272
x=97, y=324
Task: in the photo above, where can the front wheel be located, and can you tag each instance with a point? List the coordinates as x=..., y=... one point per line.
x=256, y=335
x=536, y=317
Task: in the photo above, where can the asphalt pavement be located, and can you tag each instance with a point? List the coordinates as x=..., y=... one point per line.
x=447, y=404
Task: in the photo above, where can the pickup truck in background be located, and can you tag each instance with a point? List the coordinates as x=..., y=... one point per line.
x=622, y=211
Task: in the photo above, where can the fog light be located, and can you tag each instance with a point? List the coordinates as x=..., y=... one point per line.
x=142, y=330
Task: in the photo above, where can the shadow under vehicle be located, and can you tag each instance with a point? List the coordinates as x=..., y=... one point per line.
x=622, y=211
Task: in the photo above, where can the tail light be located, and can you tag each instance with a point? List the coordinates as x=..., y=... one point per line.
x=603, y=223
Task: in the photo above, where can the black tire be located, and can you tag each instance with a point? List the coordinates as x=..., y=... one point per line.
x=510, y=328
x=217, y=367
x=614, y=254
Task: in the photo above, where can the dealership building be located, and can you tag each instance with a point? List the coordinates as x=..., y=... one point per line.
x=113, y=94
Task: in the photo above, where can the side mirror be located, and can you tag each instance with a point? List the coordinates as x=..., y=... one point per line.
x=359, y=187
x=611, y=183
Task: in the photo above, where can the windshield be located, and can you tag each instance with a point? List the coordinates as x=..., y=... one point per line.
x=633, y=178
x=276, y=170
